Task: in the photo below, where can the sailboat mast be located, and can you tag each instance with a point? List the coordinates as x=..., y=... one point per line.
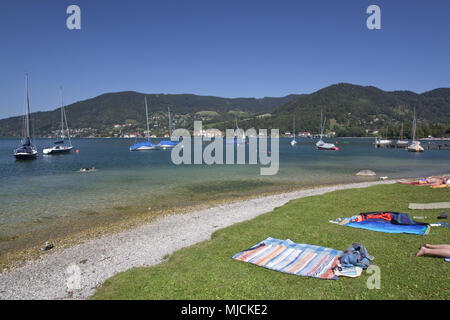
x=414, y=126
x=170, y=122
x=321, y=123
x=148, y=127
x=62, y=113
x=27, y=109
x=294, y=125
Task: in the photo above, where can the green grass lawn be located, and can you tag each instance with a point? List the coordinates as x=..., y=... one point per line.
x=207, y=271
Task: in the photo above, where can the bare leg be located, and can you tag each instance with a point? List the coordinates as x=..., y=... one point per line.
x=438, y=246
x=433, y=252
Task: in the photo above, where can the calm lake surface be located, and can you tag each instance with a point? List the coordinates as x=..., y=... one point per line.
x=34, y=193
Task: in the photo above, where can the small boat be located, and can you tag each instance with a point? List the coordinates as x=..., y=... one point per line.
x=147, y=145
x=401, y=143
x=237, y=140
x=27, y=150
x=293, y=141
x=321, y=145
x=59, y=146
x=382, y=142
x=167, y=144
x=415, y=145
x=141, y=146
x=379, y=142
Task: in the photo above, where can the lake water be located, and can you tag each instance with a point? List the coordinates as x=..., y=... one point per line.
x=34, y=193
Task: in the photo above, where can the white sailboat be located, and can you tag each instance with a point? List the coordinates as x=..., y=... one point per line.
x=415, y=145
x=321, y=145
x=27, y=150
x=238, y=139
x=293, y=141
x=147, y=145
x=401, y=143
x=383, y=142
x=164, y=144
x=60, y=146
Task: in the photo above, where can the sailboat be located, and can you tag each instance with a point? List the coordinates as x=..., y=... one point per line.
x=27, y=150
x=293, y=141
x=238, y=139
x=321, y=145
x=415, y=145
x=148, y=145
x=168, y=143
x=59, y=145
x=383, y=142
x=401, y=143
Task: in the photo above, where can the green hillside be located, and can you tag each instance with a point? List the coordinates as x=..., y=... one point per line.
x=107, y=110
x=351, y=109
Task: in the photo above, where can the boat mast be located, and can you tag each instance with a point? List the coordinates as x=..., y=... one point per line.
x=170, y=122
x=414, y=127
x=322, y=124
x=294, y=126
x=64, y=119
x=148, y=127
x=62, y=113
x=27, y=109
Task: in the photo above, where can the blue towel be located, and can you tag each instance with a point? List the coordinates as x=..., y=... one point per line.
x=385, y=226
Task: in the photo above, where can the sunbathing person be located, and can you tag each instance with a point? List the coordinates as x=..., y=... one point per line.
x=440, y=250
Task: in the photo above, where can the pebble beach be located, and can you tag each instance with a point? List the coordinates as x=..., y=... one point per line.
x=51, y=276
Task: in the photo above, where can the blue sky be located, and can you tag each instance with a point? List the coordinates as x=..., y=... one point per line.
x=233, y=48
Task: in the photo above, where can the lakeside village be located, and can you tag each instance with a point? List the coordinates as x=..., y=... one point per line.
x=159, y=127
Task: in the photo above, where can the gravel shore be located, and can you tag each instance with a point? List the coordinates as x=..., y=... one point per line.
x=99, y=259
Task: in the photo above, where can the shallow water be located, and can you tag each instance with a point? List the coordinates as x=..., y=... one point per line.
x=32, y=193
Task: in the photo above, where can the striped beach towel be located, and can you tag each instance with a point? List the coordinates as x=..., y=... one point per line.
x=293, y=258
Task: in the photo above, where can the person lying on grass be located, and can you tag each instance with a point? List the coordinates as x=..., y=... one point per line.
x=439, y=250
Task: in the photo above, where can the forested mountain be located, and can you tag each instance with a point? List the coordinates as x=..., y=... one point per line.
x=109, y=109
x=350, y=110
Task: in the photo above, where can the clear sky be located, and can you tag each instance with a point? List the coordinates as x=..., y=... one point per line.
x=229, y=48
